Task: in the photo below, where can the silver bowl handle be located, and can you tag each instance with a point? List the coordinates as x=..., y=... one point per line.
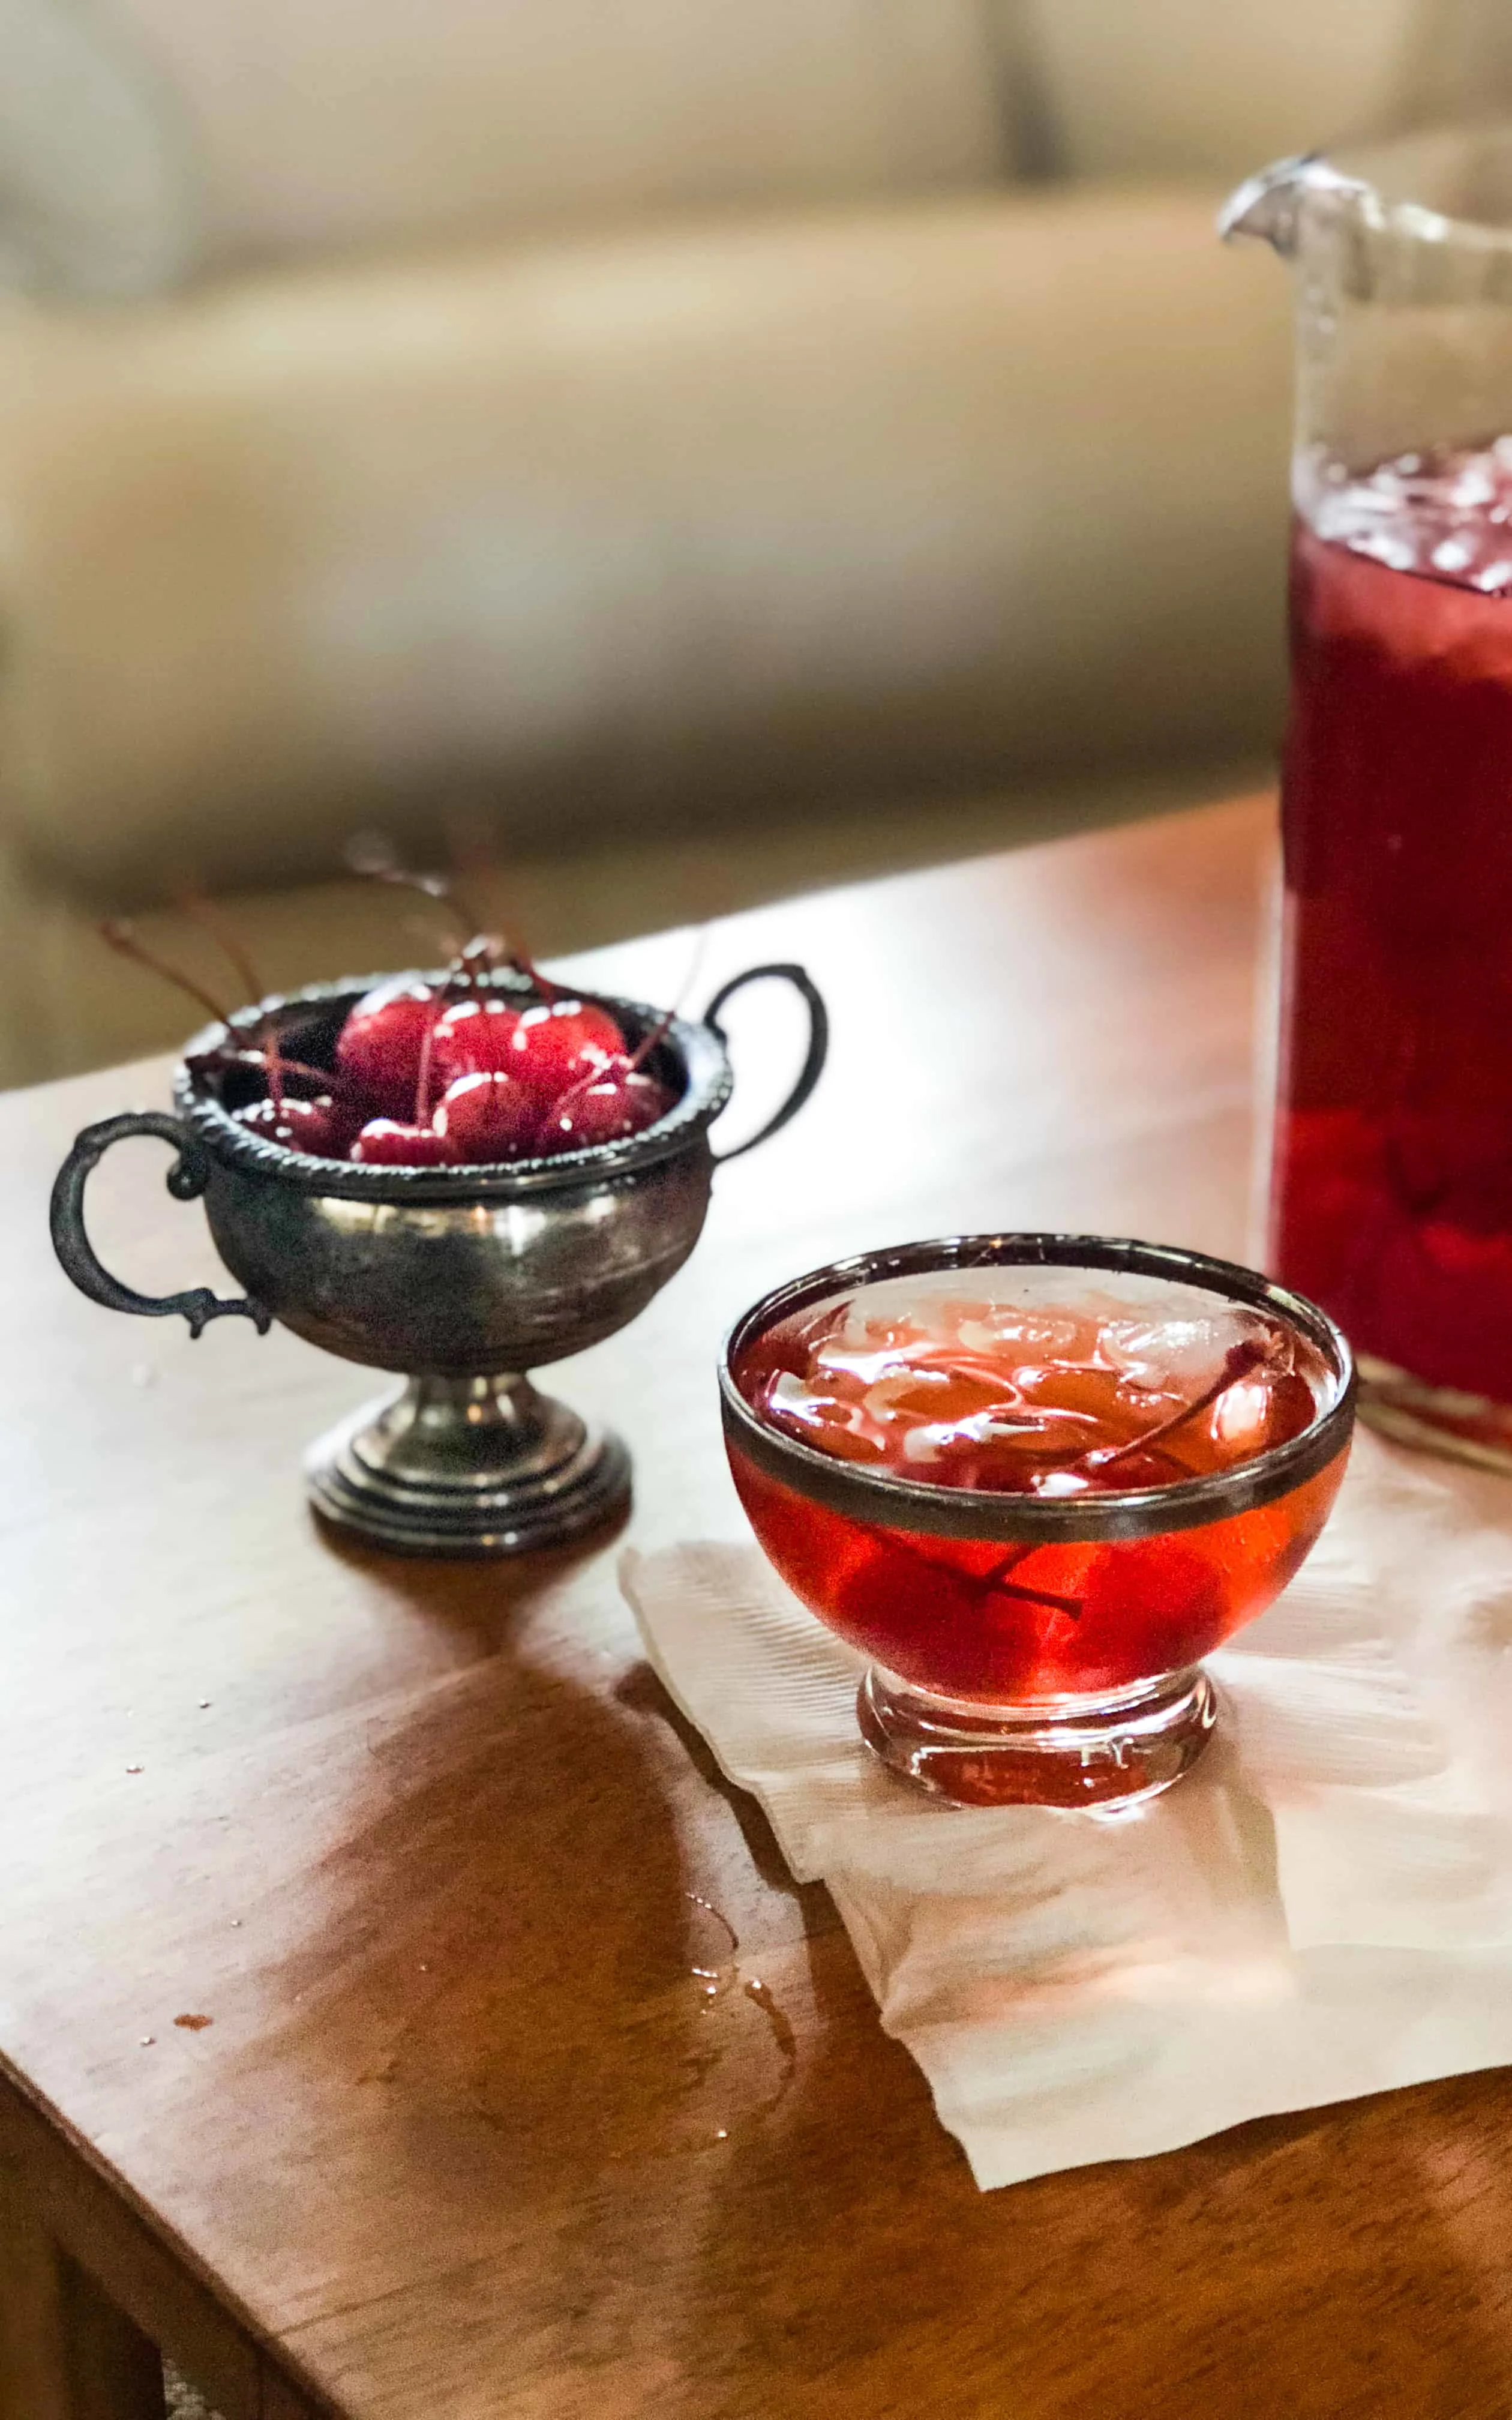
x=186, y=1179
x=818, y=1050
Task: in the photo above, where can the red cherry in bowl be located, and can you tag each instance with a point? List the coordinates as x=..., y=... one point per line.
x=558, y=1042
x=622, y=1102
x=473, y=1038
x=378, y=1048
x=390, y=1142
x=321, y=1128
x=488, y=1116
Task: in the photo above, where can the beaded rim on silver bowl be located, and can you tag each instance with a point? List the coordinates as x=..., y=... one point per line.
x=881, y=1499
x=696, y=1046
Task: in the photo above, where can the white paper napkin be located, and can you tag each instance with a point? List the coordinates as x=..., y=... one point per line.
x=1323, y=1908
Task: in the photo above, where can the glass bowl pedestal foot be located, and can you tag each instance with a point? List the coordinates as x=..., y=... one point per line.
x=477, y=1466
x=1104, y=1751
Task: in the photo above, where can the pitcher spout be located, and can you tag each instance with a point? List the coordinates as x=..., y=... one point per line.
x=1270, y=205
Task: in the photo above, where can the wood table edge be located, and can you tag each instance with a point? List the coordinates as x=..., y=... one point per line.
x=90, y=2213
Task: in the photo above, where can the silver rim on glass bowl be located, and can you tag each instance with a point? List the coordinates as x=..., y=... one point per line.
x=878, y=1497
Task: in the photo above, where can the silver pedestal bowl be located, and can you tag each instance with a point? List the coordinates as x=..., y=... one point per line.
x=461, y=1280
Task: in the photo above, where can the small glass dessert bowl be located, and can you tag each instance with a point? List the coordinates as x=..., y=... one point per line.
x=1036, y=1479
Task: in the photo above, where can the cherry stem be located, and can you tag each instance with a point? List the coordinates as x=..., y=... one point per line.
x=468, y=929
x=658, y=1032
x=618, y=1066
x=469, y=843
x=1238, y=1363
x=204, y=913
x=621, y=1065
x=457, y=972
x=664, y=1023
x=328, y=1078
x=579, y=1084
x=432, y=887
x=644, y=1049
x=992, y=1582
x=120, y=935
x=426, y=1048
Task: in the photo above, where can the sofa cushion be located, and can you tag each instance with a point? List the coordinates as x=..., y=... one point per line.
x=1166, y=87
x=96, y=196
x=653, y=529
x=340, y=122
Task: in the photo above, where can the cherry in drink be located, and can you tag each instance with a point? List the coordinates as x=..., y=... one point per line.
x=1391, y=1183
x=1038, y=1496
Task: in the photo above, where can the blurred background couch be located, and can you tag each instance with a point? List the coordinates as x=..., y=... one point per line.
x=715, y=446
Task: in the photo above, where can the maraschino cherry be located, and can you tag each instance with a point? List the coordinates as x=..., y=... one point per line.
x=552, y=1076
x=620, y=1103
x=488, y=1116
x=390, y=1142
x=472, y=1038
x=547, y=1046
x=558, y=1042
x=378, y=1049
x=322, y=1126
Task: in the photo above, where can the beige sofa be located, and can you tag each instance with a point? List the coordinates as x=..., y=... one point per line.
x=718, y=448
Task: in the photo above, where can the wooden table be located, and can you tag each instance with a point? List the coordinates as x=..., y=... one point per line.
x=418, y=1841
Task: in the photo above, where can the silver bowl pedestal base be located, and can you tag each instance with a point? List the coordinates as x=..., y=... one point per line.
x=468, y=1466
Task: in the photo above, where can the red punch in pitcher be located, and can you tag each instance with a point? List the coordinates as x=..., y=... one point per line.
x=1391, y=1193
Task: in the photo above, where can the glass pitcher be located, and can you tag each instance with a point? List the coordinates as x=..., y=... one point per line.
x=1391, y=1183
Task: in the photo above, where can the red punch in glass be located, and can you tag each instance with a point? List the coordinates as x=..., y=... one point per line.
x=1391, y=1195
x=1393, y=1178
x=1036, y=1479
